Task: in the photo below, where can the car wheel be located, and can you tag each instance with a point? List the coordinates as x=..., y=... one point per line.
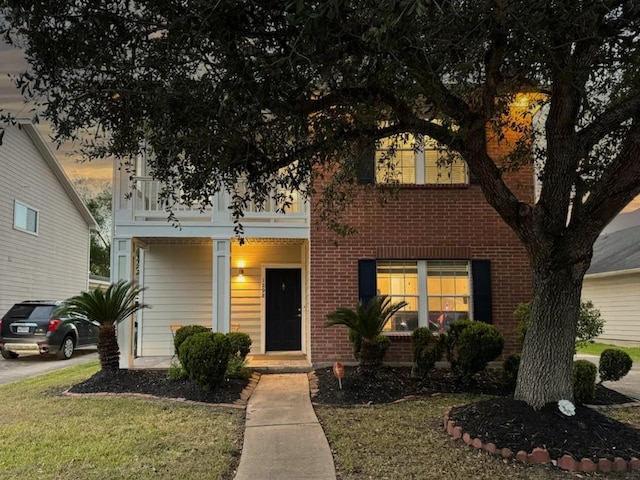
x=67, y=348
x=9, y=355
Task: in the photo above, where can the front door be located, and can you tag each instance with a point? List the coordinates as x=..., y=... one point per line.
x=283, y=313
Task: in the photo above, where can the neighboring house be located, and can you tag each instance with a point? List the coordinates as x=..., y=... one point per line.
x=612, y=282
x=436, y=244
x=44, y=225
x=97, y=282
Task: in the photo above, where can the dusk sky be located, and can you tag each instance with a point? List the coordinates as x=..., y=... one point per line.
x=12, y=62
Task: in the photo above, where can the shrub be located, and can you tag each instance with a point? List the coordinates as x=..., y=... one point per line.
x=450, y=339
x=176, y=372
x=584, y=381
x=590, y=323
x=614, y=364
x=382, y=344
x=510, y=370
x=185, y=332
x=240, y=344
x=205, y=356
x=473, y=345
x=236, y=368
x=426, y=350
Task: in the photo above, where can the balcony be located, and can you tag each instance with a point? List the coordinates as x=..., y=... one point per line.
x=146, y=205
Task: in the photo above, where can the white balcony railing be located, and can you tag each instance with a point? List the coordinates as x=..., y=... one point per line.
x=147, y=205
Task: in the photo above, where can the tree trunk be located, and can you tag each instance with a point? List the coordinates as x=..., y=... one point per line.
x=546, y=366
x=108, y=350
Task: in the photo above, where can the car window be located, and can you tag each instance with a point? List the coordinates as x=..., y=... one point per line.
x=31, y=312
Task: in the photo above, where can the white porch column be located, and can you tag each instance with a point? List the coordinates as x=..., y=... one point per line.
x=221, y=285
x=123, y=268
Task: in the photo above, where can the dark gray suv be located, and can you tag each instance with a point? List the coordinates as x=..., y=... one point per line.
x=32, y=326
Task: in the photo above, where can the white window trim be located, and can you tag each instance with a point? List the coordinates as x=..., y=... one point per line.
x=423, y=295
x=420, y=167
x=25, y=230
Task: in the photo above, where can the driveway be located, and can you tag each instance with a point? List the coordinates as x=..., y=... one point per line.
x=26, y=366
x=628, y=385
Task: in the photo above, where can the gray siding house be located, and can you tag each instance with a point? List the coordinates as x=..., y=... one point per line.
x=44, y=225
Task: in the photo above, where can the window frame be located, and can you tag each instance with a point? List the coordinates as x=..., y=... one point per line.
x=25, y=229
x=423, y=293
x=419, y=162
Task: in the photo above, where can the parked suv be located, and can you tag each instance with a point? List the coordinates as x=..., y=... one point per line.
x=31, y=326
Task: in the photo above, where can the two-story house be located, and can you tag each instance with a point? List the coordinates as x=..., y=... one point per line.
x=436, y=244
x=44, y=225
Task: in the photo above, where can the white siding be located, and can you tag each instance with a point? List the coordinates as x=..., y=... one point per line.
x=179, y=290
x=618, y=299
x=55, y=263
x=246, y=293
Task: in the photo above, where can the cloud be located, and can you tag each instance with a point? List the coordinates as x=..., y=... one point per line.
x=12, y=62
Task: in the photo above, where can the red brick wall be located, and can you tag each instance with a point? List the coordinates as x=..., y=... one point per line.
x=422, y=222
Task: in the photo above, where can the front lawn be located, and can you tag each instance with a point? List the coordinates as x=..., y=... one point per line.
x=598, y=348
x=407, y=441
x=48, y=436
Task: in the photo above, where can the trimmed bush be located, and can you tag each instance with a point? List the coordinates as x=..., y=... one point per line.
x=510, y=370
x=205, y=356
x=590, y=323
x=614, y=364
x=426, y=350
x=473, y=345
x=584, y=381
x=383, y=344
x=240, y=344
x=185, y=332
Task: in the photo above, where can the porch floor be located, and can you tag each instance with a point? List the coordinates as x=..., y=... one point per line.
x=285, y=362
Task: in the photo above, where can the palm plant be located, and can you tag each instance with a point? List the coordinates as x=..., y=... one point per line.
x=107, y=308
x=367, y=321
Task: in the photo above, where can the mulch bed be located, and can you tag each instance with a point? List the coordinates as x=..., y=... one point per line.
x=501, y=420
x=157, y=383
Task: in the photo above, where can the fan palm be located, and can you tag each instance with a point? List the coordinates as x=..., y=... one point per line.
x=367, y=321
x=107, y=308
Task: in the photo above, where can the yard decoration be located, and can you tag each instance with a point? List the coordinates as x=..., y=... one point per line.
x=338, y=371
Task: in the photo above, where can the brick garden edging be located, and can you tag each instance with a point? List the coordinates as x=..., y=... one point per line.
x=541, y=455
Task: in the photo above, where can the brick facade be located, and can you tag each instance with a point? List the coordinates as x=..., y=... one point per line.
x=421, y=222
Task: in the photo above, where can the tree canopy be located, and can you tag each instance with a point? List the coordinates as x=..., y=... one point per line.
x=269, y=90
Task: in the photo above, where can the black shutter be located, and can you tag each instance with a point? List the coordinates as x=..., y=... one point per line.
x=367, y=163
x=482, y=306
x=367, y=288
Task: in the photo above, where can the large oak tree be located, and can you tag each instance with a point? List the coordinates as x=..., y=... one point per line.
x=269, y=90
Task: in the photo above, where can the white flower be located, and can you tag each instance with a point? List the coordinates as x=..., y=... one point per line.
x=567, y=408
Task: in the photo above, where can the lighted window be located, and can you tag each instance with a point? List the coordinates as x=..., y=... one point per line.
x=437, y=292
x=25, y=218
x=409, y=159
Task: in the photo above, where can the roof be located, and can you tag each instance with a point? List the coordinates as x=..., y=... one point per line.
x=57, y=170
x=616, y=251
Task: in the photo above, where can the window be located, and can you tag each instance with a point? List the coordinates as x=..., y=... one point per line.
x=25, y=218
x=409, y=159
x=437, y=292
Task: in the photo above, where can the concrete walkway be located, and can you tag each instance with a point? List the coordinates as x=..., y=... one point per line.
x=283, y=439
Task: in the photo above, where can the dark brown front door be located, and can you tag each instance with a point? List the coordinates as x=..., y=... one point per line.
x=283, y=300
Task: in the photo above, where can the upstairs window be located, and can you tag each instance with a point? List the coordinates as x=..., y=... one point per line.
x=25, y=218
x=418, y=160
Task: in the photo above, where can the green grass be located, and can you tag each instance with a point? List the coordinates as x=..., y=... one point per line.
x=48, y=436
x=407, y=441
x=598, y=348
